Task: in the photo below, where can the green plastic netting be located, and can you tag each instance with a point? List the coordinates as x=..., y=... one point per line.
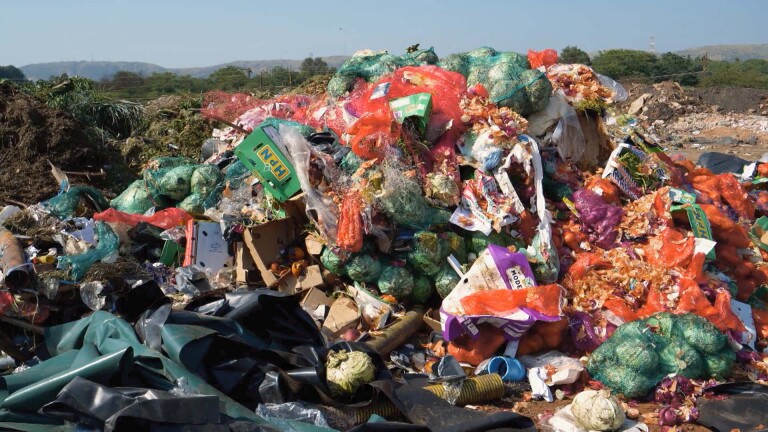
x=136, y=199
x=640, y=353
x=332, y=262
x=396, y=281
x=506, y=75
x=422, y=290
x=446, y=280
x=363, y=268
x=371, y=67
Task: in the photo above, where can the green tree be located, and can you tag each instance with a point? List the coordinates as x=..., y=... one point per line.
x=229, y=78
x=573, y=54
x=12, y=73
x=673, y=67
x=622, y=63
x=314, y=66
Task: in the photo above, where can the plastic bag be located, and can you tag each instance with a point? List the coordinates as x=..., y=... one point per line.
x=320, y=210
x=66, y=205
x=296, y=411
x=165, y=219
x=544, y=299
x=567, y=369
x=620, y=94
x=545, y=57
x=599, y=218
x=107, y=247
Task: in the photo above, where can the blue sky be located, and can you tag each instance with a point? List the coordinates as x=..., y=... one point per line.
x=201, y=33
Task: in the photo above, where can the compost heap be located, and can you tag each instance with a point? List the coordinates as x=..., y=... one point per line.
x=500, y=193
x=31, y=134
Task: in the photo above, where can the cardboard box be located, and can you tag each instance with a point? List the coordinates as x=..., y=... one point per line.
x=265, y=242
x=312, y=277
x=261, y=153
x=432, y=320
x=313, y=244
x=344, y=315
x=245, y=269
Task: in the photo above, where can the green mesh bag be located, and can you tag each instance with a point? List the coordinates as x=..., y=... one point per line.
x=193, y=204
x=175, y=186
x=371, y=67
x=333, y=262
x=640, y=353
x=456, y=246
x=446, y=280
x=396, y=281
x=236, y=175
x=506, y=75
x=422, y=290
x=137, y=200
x=205, y=179
x=363, y=268
x=428, y=252
x=78, y=265
x=65, y=205
x=478, y=242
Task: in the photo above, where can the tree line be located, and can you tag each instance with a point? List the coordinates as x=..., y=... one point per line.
x=620, y=64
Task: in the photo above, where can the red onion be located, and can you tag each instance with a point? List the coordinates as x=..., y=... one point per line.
x=667, y=416
x=351, y=335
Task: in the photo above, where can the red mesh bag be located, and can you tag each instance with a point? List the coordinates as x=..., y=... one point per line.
x=724, y=230
x=761, y=323
x=621, y=309
x=653, y=304
x=734, y=194
x=544, y=299
x=228, y=106
x=586, y=262
x=692, y=299
x=165, y=219
x=670, y=249
x=474, y=351
x=373, y=134
x=546, y=57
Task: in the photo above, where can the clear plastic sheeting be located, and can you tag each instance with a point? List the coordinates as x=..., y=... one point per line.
x=297, y=411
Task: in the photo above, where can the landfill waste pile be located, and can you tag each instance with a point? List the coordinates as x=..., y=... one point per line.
x=481, y=241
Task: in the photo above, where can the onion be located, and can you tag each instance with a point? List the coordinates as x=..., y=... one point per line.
x=667, y=416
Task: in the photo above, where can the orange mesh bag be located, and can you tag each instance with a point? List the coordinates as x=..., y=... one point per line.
x=670, y=249
x=653, y=304
x=546, y=57
x=604, y=187
x=761, y=322
x=349, y=236
x=373, y=134
x=724, y=230
x=736, y=197
x=474, y=351
x=544, y=299
x=621, y=309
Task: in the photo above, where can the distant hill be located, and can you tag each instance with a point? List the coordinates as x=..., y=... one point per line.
x=729, y=52
x=90, y=69
x=103, y=69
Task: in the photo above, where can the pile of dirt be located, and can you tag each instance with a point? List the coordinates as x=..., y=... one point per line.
x=735, y=99
x=663, y=101
x=31, y=134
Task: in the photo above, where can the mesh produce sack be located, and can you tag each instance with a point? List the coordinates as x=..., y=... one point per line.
x=136, y=199
x=227, y=106
x=640, y=353
x=506, y=75
x=370, y=66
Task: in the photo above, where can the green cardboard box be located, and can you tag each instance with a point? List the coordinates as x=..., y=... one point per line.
x=417, y=107
x=260, y=153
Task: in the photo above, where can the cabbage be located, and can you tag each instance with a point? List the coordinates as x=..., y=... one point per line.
x=347, y=371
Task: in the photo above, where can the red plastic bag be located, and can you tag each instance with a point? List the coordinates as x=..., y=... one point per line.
x=544, y=299
x=165, y=219
x=546, y=57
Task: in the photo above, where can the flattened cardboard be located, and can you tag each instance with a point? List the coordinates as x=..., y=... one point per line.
x=343, y=315
x=311, y=277
x=265, y=242
x=245, y=269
